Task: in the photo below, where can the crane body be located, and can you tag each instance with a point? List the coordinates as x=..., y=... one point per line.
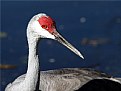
x=66, y=79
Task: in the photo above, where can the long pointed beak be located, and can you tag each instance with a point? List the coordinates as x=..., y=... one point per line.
x=60, y=39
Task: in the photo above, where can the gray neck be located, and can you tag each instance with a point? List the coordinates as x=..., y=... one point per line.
x=33, y=64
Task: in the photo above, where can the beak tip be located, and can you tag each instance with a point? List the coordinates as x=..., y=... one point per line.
x=80, y=55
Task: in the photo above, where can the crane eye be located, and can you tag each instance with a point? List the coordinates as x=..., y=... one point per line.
x=44, y=26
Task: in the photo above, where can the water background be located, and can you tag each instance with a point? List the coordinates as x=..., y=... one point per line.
x=93, y=27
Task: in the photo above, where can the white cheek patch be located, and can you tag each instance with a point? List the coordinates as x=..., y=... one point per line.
x=42, y=32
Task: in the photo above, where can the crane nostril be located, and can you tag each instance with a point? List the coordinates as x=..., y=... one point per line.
x=52, y=26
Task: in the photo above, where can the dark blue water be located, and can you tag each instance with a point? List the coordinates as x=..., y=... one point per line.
x=92, y=27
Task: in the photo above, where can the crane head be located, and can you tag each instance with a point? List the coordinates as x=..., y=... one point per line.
x=45, y=27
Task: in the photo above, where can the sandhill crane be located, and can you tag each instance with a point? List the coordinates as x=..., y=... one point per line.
x=66, y=79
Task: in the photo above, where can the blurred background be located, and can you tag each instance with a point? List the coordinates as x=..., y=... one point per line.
x=93, y=27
